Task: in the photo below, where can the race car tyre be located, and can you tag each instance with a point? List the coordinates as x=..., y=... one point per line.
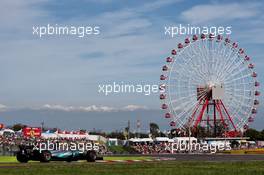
x=22, y=158
x=99, y=158
x=69, y=159
x=91, y=156
x=45, y=156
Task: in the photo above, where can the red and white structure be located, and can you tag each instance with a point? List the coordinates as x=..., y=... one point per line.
x=209, y=80
x=31, y=132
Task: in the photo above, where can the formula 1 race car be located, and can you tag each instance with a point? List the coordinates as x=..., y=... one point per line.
x=27, y=153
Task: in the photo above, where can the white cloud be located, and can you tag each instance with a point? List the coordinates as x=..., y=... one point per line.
x=92, y=108
x=154, y=5
x=252, y=35
x=134, y=108
x=100, y=1
x=16, y=14
x=52, y=67
x=220, y=12
x=3, y=107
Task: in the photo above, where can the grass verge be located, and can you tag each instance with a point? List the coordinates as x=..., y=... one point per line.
x=150, y=168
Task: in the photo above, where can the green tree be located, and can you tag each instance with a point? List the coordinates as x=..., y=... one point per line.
x=118, y=135
x=199, y=132
x=154, y=130
x=262, y=135
x=253, y=134
x=220, y=129
x=83, y=130
x=18, y=126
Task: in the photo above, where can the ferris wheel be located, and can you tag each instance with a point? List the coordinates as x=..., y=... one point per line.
x=207, y=80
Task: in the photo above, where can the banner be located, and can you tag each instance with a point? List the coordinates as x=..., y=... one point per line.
x=31, y=132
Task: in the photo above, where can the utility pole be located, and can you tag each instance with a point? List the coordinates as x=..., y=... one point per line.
x=42, y=125
x=128, y=129
x=138, y=128
x=189, y=138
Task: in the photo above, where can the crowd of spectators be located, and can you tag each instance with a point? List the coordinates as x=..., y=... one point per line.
x=151, y=148
x=9, y=144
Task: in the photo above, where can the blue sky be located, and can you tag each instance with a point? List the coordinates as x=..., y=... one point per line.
x=65, y=71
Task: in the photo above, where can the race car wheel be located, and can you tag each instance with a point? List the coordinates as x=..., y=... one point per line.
x=69, y=159
x=22, y=158
x=45, y=156
x=91, y=156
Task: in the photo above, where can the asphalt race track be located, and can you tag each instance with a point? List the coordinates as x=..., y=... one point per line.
x=213, y=157
x=161, y=157
x=203, y=157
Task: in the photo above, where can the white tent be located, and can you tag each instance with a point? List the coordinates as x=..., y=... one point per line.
x=141, y=140
x=134, y=140
x=7, y=132
x=112, y=141
x=49, y=135
x=93, y=137
x=184, y=139
x=146, y=140
x=73, y=136
x=161, y=139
